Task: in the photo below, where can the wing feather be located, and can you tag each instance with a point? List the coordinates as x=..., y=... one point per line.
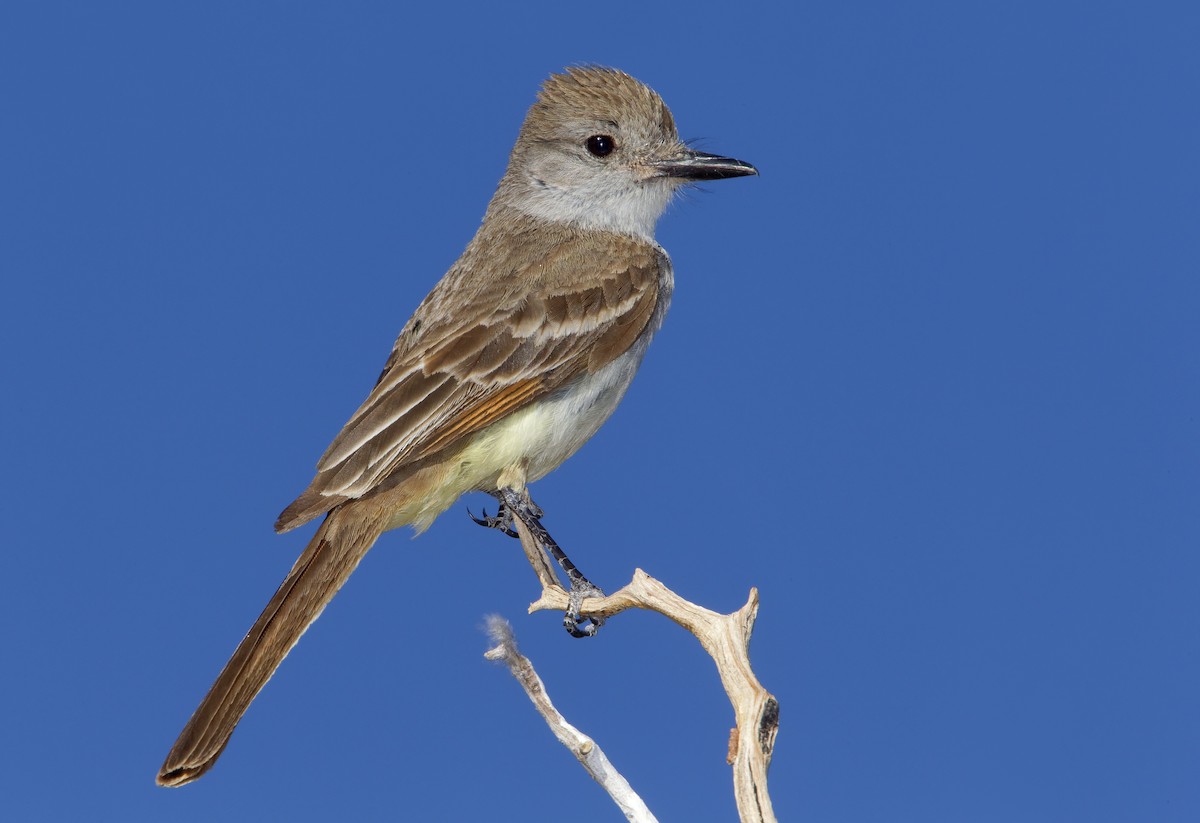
x=475, y=352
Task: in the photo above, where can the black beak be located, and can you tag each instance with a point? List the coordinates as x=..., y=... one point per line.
x=698, y=165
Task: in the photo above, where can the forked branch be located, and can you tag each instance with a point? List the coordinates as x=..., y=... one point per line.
x=726, y=638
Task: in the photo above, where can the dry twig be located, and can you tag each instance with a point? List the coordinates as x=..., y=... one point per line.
x=726, y=638
x=586, y=751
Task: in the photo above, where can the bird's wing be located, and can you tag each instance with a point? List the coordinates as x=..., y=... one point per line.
x=472, y=355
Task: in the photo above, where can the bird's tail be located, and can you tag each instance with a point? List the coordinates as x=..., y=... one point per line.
x=336, y=549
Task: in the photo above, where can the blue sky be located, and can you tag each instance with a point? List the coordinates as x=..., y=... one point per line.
x=931, y=382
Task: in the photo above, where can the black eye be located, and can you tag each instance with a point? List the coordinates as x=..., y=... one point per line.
x=601, y=145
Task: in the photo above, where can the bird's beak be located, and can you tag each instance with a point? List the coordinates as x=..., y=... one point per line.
x=698, y=165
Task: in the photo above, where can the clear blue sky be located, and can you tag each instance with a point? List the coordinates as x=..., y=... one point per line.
x=931, y=382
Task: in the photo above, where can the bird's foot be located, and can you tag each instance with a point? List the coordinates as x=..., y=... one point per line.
x=581, y=589
x=503, y=520
x=514, y=504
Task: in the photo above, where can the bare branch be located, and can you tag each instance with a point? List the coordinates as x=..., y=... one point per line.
x=583, y=747
x=726, y=638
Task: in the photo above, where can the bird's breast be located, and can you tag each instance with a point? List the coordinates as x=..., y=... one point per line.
x=534, y=440
x=540, y=436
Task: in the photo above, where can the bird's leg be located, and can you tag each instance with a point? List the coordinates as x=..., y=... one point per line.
x=517, y=504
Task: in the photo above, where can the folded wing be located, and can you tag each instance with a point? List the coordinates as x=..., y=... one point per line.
x=476, y=352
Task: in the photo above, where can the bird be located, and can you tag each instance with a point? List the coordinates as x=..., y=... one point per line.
x=509, y=365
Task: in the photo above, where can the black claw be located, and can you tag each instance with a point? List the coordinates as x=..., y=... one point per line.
x=571, y=624
x=501, y=522
x=579, y=590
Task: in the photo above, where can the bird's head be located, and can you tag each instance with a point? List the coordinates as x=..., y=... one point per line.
x=600, y=150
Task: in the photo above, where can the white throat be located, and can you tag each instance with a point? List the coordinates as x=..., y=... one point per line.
x=609, y=203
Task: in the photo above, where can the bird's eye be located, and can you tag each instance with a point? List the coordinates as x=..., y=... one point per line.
x=601, y=145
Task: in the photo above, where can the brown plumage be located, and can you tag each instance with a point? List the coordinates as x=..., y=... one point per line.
x=454, y=371
x=511, y=363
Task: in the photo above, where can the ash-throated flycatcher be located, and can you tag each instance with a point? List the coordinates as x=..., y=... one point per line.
x=515, y=359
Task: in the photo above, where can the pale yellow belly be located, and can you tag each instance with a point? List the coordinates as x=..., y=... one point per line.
x=528, y=444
